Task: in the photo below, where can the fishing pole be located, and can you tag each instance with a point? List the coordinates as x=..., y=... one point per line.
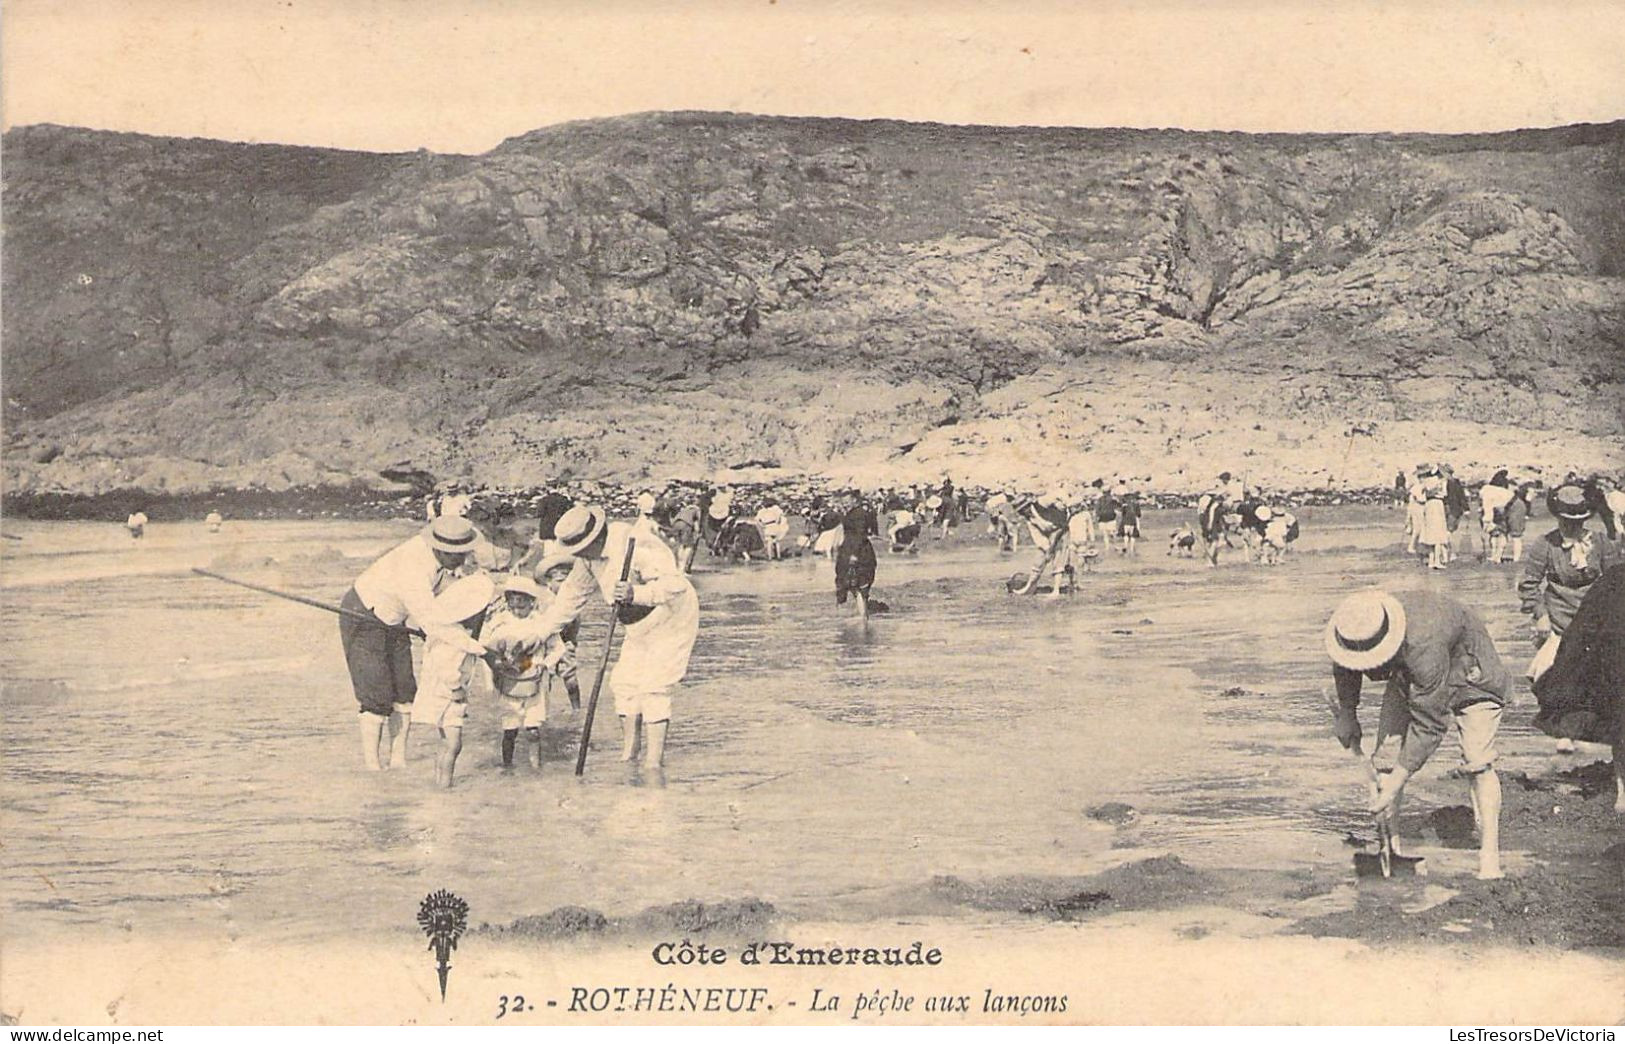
x=603, y=666
x=366, y=618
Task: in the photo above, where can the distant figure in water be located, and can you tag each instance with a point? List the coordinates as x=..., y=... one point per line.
x=775, y=526
x=855, y=557
x=831, y=530
x=1047, y=523
x=213, y=521
x=1416, y=499
x=1435, y=519
x=904, y=531
x=1128, y=522
x=136, y=524
x=1211, y=525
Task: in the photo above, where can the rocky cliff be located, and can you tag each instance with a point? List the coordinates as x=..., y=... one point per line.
x=671, y=294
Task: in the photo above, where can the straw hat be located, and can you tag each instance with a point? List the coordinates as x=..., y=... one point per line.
x=519, y=584
x=1263, y=513
x=452, y=534
x=1569, y=501
x=1365, y=630
x=552, y=562
x=465, y=597
x=578, y=528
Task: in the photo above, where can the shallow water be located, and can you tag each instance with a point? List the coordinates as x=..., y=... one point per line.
x=180, y=754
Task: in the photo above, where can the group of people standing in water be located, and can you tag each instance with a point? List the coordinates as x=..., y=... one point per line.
x=504, y=606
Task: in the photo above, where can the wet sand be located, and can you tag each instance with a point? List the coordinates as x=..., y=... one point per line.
x=1143, y=768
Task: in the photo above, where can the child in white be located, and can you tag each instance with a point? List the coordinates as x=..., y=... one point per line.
x=451, y=661
x=518, y=662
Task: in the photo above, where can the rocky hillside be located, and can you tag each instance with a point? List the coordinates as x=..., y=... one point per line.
x=672, y=294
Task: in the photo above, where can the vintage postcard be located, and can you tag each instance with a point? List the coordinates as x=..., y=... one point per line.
x=792, y=513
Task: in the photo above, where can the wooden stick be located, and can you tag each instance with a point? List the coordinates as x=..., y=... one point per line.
x=366, y=618
x=603, y=666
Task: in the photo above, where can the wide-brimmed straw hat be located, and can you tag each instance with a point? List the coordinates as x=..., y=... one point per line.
x=578, y=528
x=465, y=597
x=1569, y=501
x=1263, y=513
x=452, y=534
x=552, y=562
x=1365, y=631
x=521, y=584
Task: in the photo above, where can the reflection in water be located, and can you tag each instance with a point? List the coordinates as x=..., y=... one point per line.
x=181, y=754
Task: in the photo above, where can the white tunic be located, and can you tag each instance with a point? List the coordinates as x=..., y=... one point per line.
x=774, y=525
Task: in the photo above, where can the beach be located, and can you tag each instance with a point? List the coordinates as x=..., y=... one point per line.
x=1032, y=785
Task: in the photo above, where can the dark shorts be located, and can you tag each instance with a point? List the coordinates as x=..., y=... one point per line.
x=379, y=658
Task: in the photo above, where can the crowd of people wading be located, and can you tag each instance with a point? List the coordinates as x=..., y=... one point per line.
x=496, y=586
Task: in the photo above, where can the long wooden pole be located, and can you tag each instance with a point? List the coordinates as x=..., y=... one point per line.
x=366, y=618
x=603, y=666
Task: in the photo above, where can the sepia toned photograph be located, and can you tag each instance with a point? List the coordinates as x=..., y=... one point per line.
x=812, y=513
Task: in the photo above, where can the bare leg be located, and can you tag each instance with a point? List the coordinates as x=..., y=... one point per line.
x=399, y=722
x=446, y=764
x=629, y=735
x=1486, y=792
x=654, y=755
x=533, y=745
x=372, y=734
